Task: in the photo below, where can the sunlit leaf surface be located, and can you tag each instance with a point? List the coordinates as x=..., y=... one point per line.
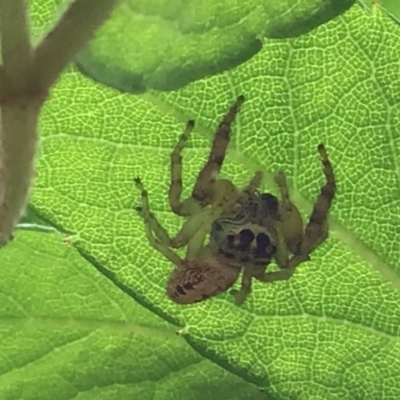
x=332, y=331
x=66, y=332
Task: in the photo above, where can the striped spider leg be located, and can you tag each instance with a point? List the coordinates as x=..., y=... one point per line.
x=301, y=243
x=206, y=183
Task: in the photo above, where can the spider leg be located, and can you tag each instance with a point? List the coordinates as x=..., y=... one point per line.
x=261, y=275
x=149, y=218
x=182, y=208
x=155, y=233
x=225, y=194
x=282, y=252
x=188, y=230
x=194, y=225
x=196, y=244
x=160, y=246
x=203, y=189
x=252, y=186
x=245, y=287
x=272, y=276
x=198, y=226
x=317, y=230
x=290, y=222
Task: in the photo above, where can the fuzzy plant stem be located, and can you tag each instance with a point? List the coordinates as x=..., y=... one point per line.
x=26, y=77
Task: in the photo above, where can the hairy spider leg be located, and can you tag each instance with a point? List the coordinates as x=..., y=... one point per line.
x=224, y=200
x=204, y=186
x=196, y=227
x=188, y=206
x=245, y=287
x=317, y=230
x=260, y=274
x=149, y=218
x=290, y=224
x=155, y=233
x=226, y=194
x=272, y=276
x=251, y=187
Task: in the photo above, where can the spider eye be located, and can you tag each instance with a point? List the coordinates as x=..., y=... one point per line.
x=246, y=237
x=263, y=241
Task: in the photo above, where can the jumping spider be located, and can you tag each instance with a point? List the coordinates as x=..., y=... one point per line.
x=247, y=229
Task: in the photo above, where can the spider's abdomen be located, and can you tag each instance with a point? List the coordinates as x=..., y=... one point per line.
x=198, y=280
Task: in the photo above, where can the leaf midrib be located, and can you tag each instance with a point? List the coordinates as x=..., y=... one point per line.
x=91, y=324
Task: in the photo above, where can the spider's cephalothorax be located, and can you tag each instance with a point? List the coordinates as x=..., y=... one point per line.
x=247, y=229
x=247, y=235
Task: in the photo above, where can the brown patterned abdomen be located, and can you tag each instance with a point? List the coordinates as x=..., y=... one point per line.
x=200, y=279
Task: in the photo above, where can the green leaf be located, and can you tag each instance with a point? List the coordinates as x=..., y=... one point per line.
x=66, y=332
x=164, y=44
x=392, y=7
x=333, y=330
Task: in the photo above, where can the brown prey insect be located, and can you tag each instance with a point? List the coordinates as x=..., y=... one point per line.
x=247, y=229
